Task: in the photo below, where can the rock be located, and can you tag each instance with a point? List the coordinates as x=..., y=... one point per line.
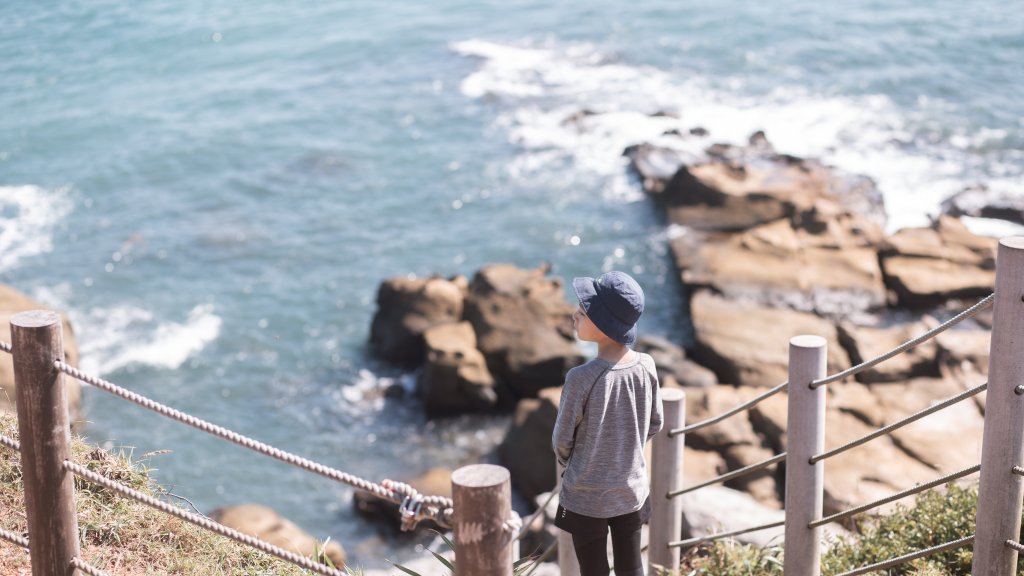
x=864, y=343
x=981, y=202
x=656, y=165
x=672, y=363
x=526, y=450
x=455, y=378
x=748, y=345
x=778, y=266
x=701, y=465
x=406, y=308
x=927, y=266
x=699, y=131
x=266, y=524
x=963, y=357
x=433, y=482
x=706, y=403
x=524, y=327
x=12, y=302
x=741, y=188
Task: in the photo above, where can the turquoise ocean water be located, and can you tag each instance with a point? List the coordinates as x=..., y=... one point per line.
x=214, y=190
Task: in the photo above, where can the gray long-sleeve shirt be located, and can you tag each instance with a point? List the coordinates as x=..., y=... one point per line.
x=606, y=414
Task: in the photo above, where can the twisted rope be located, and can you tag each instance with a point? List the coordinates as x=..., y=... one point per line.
x=692, y=541
x=1018, y=470
x=1015, y=545
x=6, y=347
x=438, y=505
x=86, y=567
x=912, y=556
x=201, y=521
x=911, y=491
x=14, y=538
x=716, y=419
x=10, y=443
x=739, y=473
x=973, y=310
x=901, y=423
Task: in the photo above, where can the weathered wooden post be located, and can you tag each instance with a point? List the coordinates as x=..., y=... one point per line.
x=568, y=565
x=482, y=494
x=805, y=436
x=666, y=476
x=1000, y=490
x=43, y=425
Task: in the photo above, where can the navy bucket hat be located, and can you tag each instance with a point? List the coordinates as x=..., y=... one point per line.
x=613, y=303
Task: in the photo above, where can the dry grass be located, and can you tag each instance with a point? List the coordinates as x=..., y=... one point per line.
x=121, y=536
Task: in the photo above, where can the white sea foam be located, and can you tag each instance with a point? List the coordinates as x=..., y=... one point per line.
x=543, y=90
x=28, y=216
x=114, y=338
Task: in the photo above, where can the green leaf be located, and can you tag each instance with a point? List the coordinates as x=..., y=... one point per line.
x=404, y=569
x=443, y=560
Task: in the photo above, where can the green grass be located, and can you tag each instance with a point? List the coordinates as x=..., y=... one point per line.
x=937, y=517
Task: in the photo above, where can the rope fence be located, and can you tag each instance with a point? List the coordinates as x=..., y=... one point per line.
x=1013, y=544
x=403, y=494
x=901, y=423
x=738, y=473
x=909, y=344
x=731, y=412
x=713, y=537
x=5, y=347
x=10, y=443
x=14, y=538
x=912, y=556
x=201, y=521
x=86, y=567
x=898, y=496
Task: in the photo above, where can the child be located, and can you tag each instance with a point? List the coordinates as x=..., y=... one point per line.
x=610, y=408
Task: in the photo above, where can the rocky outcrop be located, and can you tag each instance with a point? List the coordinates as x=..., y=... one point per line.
x=266, y=524
x=406, y=308
x=779, y=266
x=455, y=378
x=865, y=342
x=746, y=344
x=12, y=302
x=524, y=328
x=673, y=365
x=981, y=202
x=526, y=450
x=928, y=266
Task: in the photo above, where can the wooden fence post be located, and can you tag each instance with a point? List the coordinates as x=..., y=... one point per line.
x=667, y=475
x=805, y=435
x=482, y=494
x=1000, y=490
x=568, y=565
x=37, y=341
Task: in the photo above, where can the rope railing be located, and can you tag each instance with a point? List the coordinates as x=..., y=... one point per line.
x=732, y=411
x=14, y=538
x=201, y=521
x=1018, y=470
x=901, y=423
x=10, y=443
x=1015, y=545
x=912, y=556
x=897, y=496
x=87, y=568
x=968, y=313
x=738, y=473
x=412, y=503
x=6, y=347
x=713, y=537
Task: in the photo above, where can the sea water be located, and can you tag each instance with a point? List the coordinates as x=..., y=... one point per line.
x=213, y=191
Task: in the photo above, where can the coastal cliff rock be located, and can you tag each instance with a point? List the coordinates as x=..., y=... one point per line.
x=266, y=524
x=673, y=365
x=524, y=328
x=746, y=344
x=930, y=265
x=865, y=342
x=779, y=266
x=406, y=308
x=455, y=378
x=981, y=202
x=526, y=449
x=12, y=302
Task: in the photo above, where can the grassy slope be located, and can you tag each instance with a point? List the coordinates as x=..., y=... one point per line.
x=121, y=536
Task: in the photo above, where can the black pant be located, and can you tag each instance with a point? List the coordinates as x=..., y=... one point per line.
x=590, y=540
